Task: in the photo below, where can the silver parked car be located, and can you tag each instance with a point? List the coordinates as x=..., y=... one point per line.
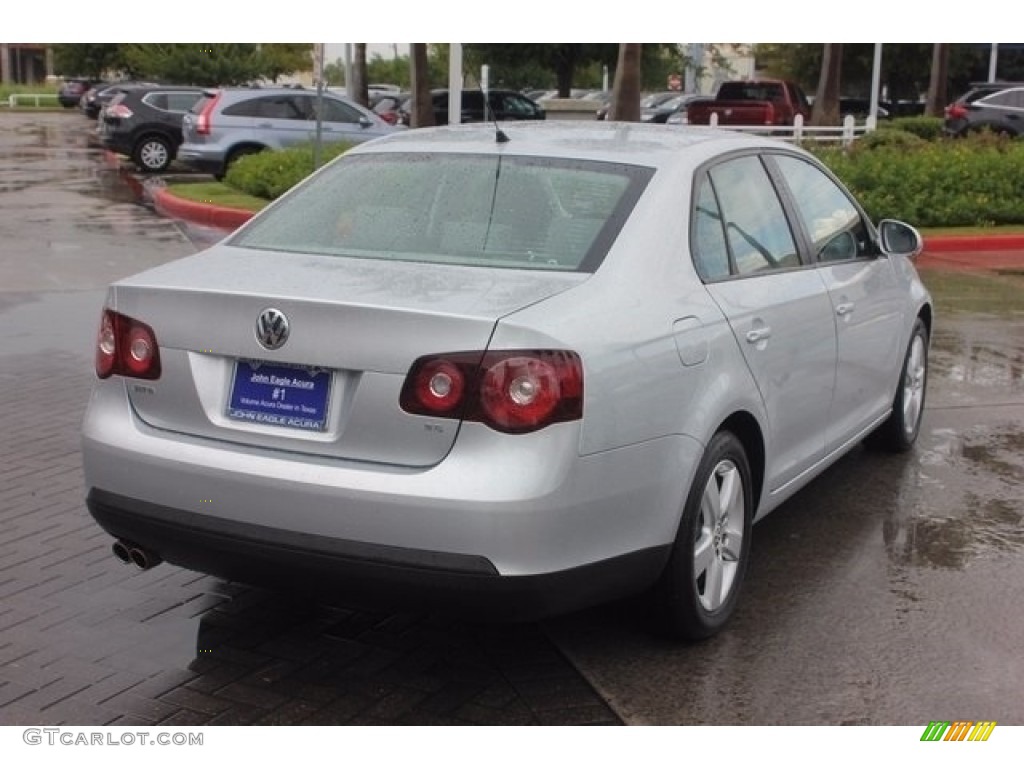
x=231, y=122
x=516, y=377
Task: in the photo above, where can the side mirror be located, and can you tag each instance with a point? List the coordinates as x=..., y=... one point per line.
x=365, y=122
x=899, y=239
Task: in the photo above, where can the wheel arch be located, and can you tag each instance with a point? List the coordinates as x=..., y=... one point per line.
x=156, y=133
x=748, y=432
x=243, y=148
x=925, y=313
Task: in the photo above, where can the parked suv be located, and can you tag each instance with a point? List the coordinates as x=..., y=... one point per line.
x=144, y=123
x=996, y=106
x=72, y=90
x=504, y=105
x=232, y=122
x=101, y=94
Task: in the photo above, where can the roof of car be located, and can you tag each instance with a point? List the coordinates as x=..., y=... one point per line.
x=635, y=143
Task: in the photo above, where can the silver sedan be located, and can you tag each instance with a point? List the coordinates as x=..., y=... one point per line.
x=512, y=373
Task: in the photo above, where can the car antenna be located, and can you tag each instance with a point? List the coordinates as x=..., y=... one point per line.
x=499, y=135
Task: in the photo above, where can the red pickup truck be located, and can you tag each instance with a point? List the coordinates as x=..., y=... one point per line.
x=751, y=102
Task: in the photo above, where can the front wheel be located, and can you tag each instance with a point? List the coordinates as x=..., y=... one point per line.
x=700, y=586
x=899, y=432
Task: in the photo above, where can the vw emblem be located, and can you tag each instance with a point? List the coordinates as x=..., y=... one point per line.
x=272, y=328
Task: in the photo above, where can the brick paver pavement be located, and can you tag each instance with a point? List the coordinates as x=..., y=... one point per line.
x=85, y=640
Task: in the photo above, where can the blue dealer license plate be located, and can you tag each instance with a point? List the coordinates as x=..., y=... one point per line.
x=282, y=395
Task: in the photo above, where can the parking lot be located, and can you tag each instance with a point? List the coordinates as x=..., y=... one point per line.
x=884, y=593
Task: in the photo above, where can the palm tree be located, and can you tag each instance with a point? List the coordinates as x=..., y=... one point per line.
x=422, y=107
x=625, y=103
x=359, y=77
x=826, y=98
x=936, y=101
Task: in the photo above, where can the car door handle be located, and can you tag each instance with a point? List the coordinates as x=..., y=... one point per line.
x=264, y=125
x=758, y=334
x=845, y=308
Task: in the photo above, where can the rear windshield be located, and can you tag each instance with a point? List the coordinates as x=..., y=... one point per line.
x=200, y=105
x=479, y=210
x=751, y=91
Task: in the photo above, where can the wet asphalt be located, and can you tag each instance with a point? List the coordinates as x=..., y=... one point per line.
x=887, y=592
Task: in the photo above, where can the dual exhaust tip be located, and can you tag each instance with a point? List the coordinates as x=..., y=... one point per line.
x=127, y=552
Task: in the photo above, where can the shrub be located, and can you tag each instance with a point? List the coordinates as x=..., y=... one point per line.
x=928, y=128
x=271, y=173
x=894, y=138
x=978, y=181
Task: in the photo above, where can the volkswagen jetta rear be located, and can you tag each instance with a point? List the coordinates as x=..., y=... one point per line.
x=366, y=390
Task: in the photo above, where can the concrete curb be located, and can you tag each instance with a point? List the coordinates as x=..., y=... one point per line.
x=206, y=214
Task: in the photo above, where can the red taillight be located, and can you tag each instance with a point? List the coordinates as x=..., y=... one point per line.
x=769, y=114
x=956, y=111
x=511, y=391
x=391, y=118
x=119, y=110
x=126, y=347
x=203, y=124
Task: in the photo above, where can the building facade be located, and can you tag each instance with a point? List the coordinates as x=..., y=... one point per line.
x=25, y=63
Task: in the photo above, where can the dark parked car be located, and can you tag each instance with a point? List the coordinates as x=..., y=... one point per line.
x=101, y=94
x=674, y=107
x=504, y=105
x=144, y=123
x=72, y=90
x=998, y=107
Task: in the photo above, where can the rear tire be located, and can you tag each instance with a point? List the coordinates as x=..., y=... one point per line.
x=153, y=154
x=900, y=430
x=700, y=586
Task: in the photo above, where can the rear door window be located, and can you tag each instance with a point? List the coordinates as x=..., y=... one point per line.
x=756, y=229
x=338, y=112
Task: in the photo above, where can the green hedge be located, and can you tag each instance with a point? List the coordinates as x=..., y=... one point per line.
x=895, y=173
x=271, y=173
x=975, y=181
x=929, y=128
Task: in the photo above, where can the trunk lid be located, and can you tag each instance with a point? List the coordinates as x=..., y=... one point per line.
x=332, y=389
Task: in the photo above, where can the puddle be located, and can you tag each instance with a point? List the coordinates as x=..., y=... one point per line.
x=977, y=359
x=961, y=500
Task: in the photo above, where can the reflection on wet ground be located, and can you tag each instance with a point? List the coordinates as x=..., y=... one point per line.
x=68, y=217
x=978, y=359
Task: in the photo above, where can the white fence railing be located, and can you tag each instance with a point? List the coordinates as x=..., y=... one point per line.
x=798, y=132
x=14, y=98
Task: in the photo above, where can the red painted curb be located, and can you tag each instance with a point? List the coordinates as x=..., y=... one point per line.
x=207, y=214
x=968, y=243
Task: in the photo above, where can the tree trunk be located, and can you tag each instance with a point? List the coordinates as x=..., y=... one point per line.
x=422, y=108
x=625, y=104
x=359, y=77
x=936, y=103
x=826, y=98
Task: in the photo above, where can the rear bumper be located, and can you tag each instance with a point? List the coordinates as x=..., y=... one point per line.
x=199, y=161
x=117, y=142
x=369, y=575
x=523, y=519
